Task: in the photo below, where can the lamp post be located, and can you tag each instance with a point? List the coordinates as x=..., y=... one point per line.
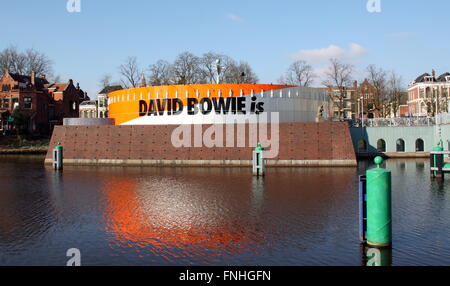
x=358, y=109
x=362, y=110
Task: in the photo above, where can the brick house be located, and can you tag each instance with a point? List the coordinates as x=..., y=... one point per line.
x=41, y=104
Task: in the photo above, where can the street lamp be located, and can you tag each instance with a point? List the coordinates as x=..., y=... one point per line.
x=362, y=111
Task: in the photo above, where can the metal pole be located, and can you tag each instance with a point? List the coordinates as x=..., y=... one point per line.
x=362, y=208
x=379, y=213
x=362, y=110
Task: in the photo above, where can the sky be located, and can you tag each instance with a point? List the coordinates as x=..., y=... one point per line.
x=408, y=36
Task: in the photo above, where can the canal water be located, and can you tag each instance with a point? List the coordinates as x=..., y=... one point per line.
x=211, y=216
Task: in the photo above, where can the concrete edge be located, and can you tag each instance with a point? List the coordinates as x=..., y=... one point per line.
x=199, y=163
x=395, y=155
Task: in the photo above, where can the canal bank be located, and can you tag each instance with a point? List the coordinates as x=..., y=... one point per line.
x=15, y=145
x=413, y=141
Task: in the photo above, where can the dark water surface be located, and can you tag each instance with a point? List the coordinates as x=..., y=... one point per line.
x=211, y=216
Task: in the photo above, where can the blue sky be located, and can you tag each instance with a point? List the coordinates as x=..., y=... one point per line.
x=410, y=37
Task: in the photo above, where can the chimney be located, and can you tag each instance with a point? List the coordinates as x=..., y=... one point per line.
x=355, y=84
x=33, y=78
x=78, y=85
x=433, y=73
x=70, y=81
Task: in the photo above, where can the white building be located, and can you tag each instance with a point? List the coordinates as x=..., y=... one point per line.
x=88, y=109
x=428, y=94
x=102, y=98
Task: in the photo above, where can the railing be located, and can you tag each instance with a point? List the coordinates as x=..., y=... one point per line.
x=395, y=122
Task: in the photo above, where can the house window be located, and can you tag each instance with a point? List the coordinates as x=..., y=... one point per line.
x=6, y=103
x=15, y=102
x=27, y=102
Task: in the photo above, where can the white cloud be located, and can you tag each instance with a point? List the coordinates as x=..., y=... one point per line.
x=323, y=55
x=235, y=18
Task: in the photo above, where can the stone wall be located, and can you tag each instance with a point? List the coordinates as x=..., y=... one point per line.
x=311, y=144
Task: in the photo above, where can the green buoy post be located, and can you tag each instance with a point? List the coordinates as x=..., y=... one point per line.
x=379, y=220
x=437, y=162
x=258, y=161
x=58, y=157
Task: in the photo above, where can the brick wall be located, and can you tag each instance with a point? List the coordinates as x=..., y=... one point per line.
x=298, y=141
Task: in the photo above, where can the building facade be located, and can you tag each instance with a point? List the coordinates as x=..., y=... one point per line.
x=217, y=104
x=429, y=94
x=38, y=104
x=89, y=109
x=102, y=98
x=346, y=104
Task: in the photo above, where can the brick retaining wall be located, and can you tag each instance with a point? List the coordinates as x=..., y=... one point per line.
x=311, y=144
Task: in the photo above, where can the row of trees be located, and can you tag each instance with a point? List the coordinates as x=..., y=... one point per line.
x=385, y=94
x=186, y=69
x=24, y=62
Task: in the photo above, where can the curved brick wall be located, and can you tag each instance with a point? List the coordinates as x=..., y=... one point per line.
x=313, y=144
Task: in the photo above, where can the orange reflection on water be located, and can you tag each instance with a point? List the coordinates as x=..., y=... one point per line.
x=138, y=216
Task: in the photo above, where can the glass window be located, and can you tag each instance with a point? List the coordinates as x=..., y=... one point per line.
x=420, y=145
x=362, y=146
x=381, y=145
x=400, y=145
x=27, y=102
x=15, y=102
x=6, y=103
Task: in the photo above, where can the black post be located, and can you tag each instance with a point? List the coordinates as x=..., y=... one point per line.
x=440, y=165
x=362, y=208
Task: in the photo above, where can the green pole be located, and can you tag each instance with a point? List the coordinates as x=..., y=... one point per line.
x=258, y=167
x=379, y=220
x=437, y=148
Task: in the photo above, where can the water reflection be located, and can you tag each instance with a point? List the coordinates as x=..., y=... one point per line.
x=212, y=216
x=187, y=214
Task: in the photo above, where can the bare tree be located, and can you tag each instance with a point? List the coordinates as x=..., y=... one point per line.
x=338, y=76
x=377, y=77
x=395, y=91
x=105, y=81
x=25, y=62
x=299, y=73
x=37, y=62
x=186, y=69
x=130, y=73
x=208, y=66
x=161, y=73
x=240, y=73
x=56, y=79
